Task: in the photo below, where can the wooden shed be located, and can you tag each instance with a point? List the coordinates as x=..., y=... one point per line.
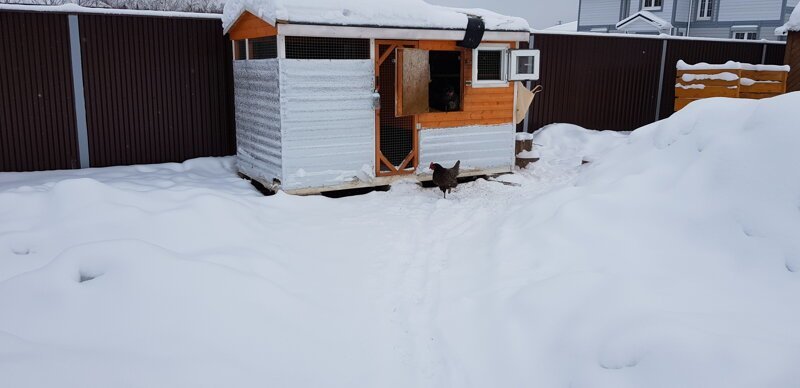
x=355, y=93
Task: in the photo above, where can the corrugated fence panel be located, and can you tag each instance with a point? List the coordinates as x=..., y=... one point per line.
x=775, y=54
x=596, y=82
x=157, y=89
x=37, y=113
x=696, y=51
x=793, y=59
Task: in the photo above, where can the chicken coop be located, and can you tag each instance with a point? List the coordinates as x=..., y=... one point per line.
x=354, y=93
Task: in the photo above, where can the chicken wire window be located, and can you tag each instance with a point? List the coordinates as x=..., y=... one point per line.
x=240, y=50
x=489, y=66
x=302, y=47
x=263, y=48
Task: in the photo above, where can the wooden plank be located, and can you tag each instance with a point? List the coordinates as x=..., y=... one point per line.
x=707, y=92
x=775, y=88
x=490, y=98
x=707, y=82
x=758, y=96
x=681, y=103
x=464, y=123
x=709, y=71
x=764, y=75
x=249, y=26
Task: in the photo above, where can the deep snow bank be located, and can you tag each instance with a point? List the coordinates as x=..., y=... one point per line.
x=671, y=259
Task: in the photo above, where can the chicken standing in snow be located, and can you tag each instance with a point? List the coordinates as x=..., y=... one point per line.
x=445, y=178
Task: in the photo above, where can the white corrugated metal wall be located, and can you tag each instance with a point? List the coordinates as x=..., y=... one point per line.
x=328, y=122
x=258, y=118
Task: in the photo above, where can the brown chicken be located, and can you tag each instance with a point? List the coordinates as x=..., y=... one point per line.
x=445, y=178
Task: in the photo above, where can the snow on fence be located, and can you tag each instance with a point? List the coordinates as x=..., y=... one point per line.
x=732, y=79
x=622, y=82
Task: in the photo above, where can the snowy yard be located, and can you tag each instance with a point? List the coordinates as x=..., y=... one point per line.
x=671, y=260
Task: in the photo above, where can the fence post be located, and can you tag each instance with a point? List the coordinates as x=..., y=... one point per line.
x=764, y=55
x=528, y=84
x=661, y=77
x=77, y=88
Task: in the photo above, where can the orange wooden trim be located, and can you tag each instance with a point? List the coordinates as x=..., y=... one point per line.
x=387, y=162
x=250, y=26
x=386, y=54
x=407, y=160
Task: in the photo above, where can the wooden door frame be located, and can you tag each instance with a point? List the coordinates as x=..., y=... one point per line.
x=413, y=157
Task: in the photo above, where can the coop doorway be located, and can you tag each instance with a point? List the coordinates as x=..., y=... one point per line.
x=396, y=137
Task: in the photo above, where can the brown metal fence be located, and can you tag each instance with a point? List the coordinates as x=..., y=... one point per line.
x=37, y=112
x=157, y=89
x=610, y=82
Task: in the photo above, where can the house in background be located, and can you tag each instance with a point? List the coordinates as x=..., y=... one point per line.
x=727, y=19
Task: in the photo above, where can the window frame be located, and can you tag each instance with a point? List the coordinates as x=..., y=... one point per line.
x=652, y=6
x=745, y=35
x=707, y=12
x=503, y=48
x=514, y=74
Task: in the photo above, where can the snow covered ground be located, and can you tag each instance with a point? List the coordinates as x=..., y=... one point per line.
x=672, y=259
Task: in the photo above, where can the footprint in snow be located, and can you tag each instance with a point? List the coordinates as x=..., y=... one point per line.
x=19, y=251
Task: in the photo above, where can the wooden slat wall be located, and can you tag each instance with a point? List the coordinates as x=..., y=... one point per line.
x=481, y=106
x=37, y=111
x=768, y=84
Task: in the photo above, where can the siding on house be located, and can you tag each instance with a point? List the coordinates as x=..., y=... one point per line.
x=666, y=10
x=764, y=14
x=328, y=125
x=599, y=12
x=682, y=11
x=258, y=119
x=719, y=33
x=740, y=10
x=477, y=147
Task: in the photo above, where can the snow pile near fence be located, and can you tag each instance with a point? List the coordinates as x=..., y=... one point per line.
x=394, y=13
x=670, y=259
x=792, y=25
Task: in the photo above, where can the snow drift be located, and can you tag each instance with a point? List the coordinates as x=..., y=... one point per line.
x=670, y=259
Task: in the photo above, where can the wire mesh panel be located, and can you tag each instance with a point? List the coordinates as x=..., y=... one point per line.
x=396, y=133
x=490, y=65
x=264, y=48
x=302, y=47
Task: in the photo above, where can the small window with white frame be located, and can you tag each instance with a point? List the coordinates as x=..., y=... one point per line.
x=652, y=5
x=524, y=65
x=489, y=64
x=745, y=35
x=705, y=9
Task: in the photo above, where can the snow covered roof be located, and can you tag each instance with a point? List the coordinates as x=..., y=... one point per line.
x=383, y=13
x=646, y=17
x=792, y=25
x=572, y=26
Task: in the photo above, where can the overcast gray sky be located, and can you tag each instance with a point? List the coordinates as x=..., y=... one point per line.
x=540, y=13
